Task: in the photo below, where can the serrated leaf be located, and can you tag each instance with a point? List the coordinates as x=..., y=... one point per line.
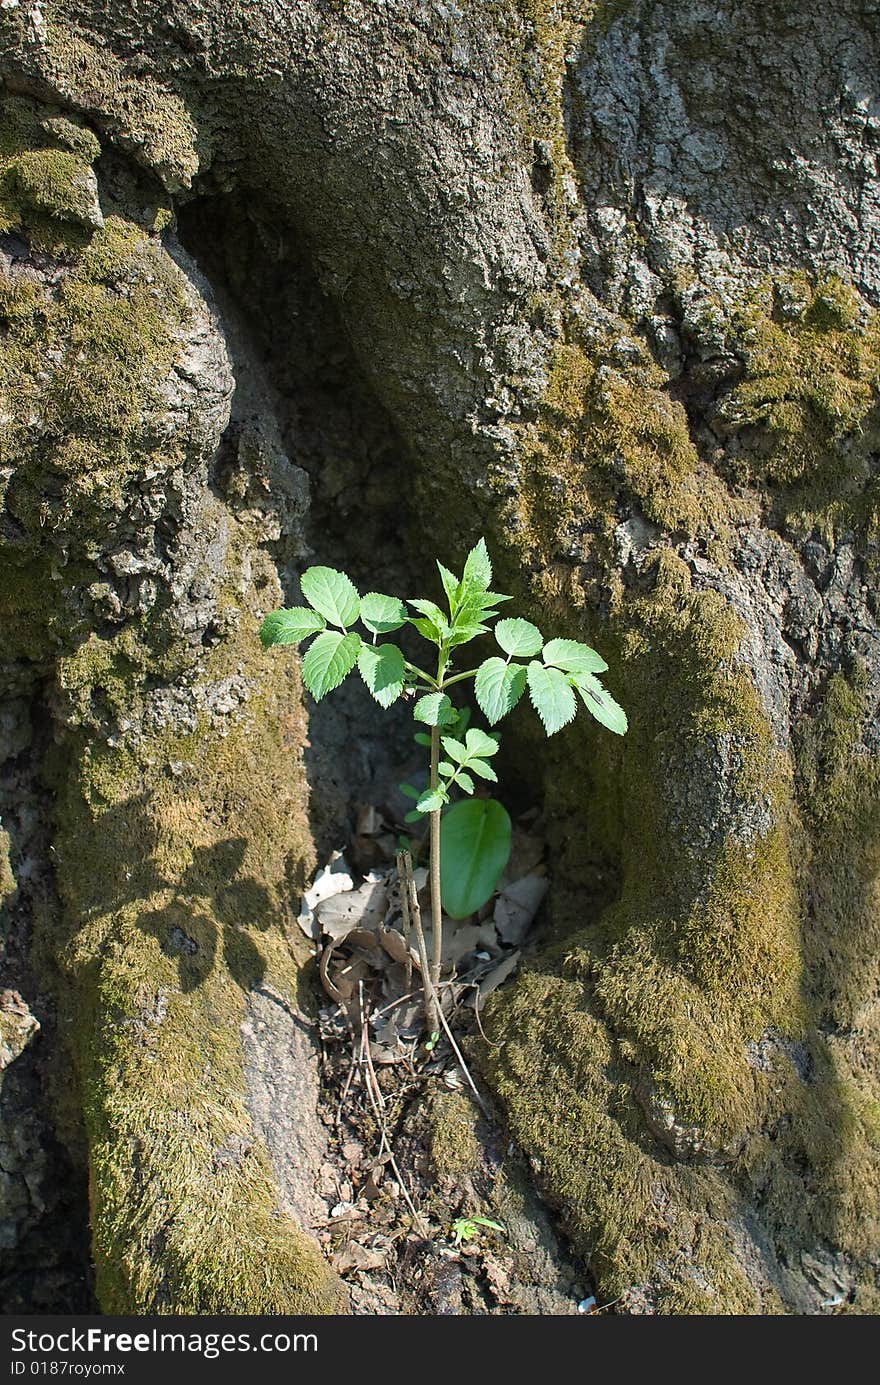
x=450, y=585
x=428, y=630
x=552, y=696
x=600, y=703
x=519, y=637
x=475, y=839
x=498, y=687
x=332, y=594
x=382, y=614
x=434, y=709
x=484, y=771
x=445, y=768
x=480, y=742
x=289, y=626
x=433, y=613
x=431, y=801
x=329, y=659
x=454, y=749
x=463, y=634
x=382, y=668
x=464, y=781
x=477, y=568
x=409, y=791
x=573, y=657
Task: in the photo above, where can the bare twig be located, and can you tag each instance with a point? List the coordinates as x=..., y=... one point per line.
x=413, y=917
x=464, y=1067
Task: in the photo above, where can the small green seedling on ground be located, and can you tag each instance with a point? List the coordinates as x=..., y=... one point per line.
x=468, y=1228
x=470, y=838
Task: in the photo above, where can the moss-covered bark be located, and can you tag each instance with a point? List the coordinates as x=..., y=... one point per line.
x=132, y=596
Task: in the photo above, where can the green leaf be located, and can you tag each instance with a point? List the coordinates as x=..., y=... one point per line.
x=600, y=703
x=483, y=770
x=463, y=634
x=382, y=668
x=409, y=791
x=434, y=615
x=454, y=749
x=289, y=626
x=434, y=709
x=331, y=593
x=421, y=739
x=519, y=637
x=573, y=657
x=552, y=696
x=498, y=687
x=474, y=849
x=382, y=614
x=477, y=568
x=450, y=585
x=464, y=781
x=329, y=659
x=414, y=816
x=480, y=742
x=428, y=630
x=445, y=768
x=431, y=801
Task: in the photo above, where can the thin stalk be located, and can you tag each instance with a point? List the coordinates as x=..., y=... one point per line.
x=434, y=867
x=414, y=668
x=460, y=677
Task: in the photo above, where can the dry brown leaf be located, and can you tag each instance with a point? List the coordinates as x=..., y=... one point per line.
x=356, y=1257
x=394, y=944
x=498, y=974
x=516, y=906
x=362, y=908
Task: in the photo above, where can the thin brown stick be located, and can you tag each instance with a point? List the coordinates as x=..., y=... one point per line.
x=464, y=1067
x=413, y=914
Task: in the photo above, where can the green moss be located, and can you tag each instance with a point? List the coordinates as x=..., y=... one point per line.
x=455, y=1150
x=607, y=429
x=8, y=886
x=809, y=400
x=177, y=858
x=89, y=363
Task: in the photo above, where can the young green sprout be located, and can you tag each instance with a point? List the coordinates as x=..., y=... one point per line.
x=469, y=839
x=468, y=1228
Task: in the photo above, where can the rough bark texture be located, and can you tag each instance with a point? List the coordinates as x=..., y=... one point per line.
x=601, y=282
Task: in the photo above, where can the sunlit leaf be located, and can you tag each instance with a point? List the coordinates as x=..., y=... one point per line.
x=290, y=625
x=552, y=696
x=498, y=687
x=382, y=614
x=519, y=637
x=332, y=594
x=382, y=668
x=573, y=657
x=329, y=659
